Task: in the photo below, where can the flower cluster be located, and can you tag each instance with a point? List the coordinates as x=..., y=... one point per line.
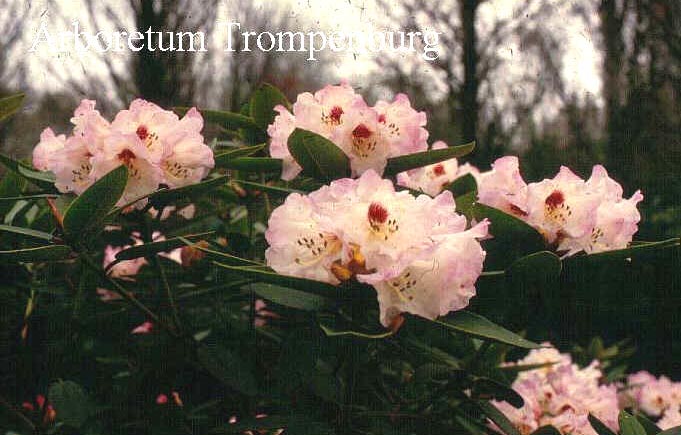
x=156, y=145
x=561, y=394
x=368, y=135
x=656, y=397
x=415, y=251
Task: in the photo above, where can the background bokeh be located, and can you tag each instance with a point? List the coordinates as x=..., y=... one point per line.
x=556, y=82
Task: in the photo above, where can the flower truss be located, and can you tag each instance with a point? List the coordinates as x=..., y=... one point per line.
x=656, y=397
x=561, y=394
x=158, y=148
x=415, y=251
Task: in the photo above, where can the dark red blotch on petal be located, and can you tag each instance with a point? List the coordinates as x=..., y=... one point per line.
x=439, y=169
x=142, y=132
x=361, y=132
x=555, y=199
x=377, y=213
x=336, y=112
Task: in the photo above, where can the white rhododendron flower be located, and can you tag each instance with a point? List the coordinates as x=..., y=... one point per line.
x=561, y=394
x=572, y=214
x=157, y=146
x=654, y=396
x=368, y=135
x=432, y=179
x=415, y=251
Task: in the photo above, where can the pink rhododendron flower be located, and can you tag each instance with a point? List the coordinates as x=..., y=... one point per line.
x=432, y=179
x=671, y=418
x=562, y=395
x=144, y=328
x=157, y=147
x=161, y=399
x=367, y=135
x=415, y=251
x=125, y=269
x=654, y=396
x=503, y=187
x=50, y=145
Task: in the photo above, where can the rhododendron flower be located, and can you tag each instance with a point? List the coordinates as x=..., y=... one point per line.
x=433, y=282
x=49, y=145
x=671, y=418
x=503, y=187
x=157, y=147
x=125, y=269
x=433, y=178
x=367, y=135
x=415, y=251
x=143, y=328
x=654, y=396
x=562, y=395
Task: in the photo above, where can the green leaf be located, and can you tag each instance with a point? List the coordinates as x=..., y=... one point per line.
x=292, y=298
x=319, y=157
x=266, y=275
x=149, y=249
x=511, y=237
x=486, y=388
x=599, y=426
x=298, y=357
x=167, y=196
x=540, y=267
x=629, y=425
x=498, y=418
x=42, y=179
x=87, y=212
x=71, y=403
x=425, y=158
x=478, y=326
x=635, y=250
x=277, y=190
x=262, y=104
x=228, y=120
x=546, y=430
x=27, y=232
x=253, y=164
x=11, y=185
x=33, y=255
x=227, y=367
x=222, y=160
x=332, y=332
x=9, y=105
x=462, y=185
x=650, y=427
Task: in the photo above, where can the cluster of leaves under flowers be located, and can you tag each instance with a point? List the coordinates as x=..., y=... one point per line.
x=326, y=243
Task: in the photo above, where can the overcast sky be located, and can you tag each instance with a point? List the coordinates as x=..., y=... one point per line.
x=581, y=61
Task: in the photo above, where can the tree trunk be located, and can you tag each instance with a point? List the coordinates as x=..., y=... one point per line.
x=613, y=44
x=468, y=9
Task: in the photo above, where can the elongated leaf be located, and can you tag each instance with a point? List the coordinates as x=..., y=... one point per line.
x=44, y=180
x=168, y=196
x=498, y=418
x=227, y=367
x=319, y=157
x=463, y=185
x=540, y=267
x=71, y=403
x=228, y=120
x=253, y=164
x=511, y=237
x=333, y=332
x=477, y=326
x=650, y=427
x=9, y=105
x=27, y=232
x=222, y=160
x=635, y=250
x=599, y=426
x=629, y=425
x=268, y=276
x=152, y=248
x=87, y=212
x=262, y=104
x=425, y=158
x=546, y=430
x=486, y=388
x=292, y=298
x=277, y=190
x=33, y=255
